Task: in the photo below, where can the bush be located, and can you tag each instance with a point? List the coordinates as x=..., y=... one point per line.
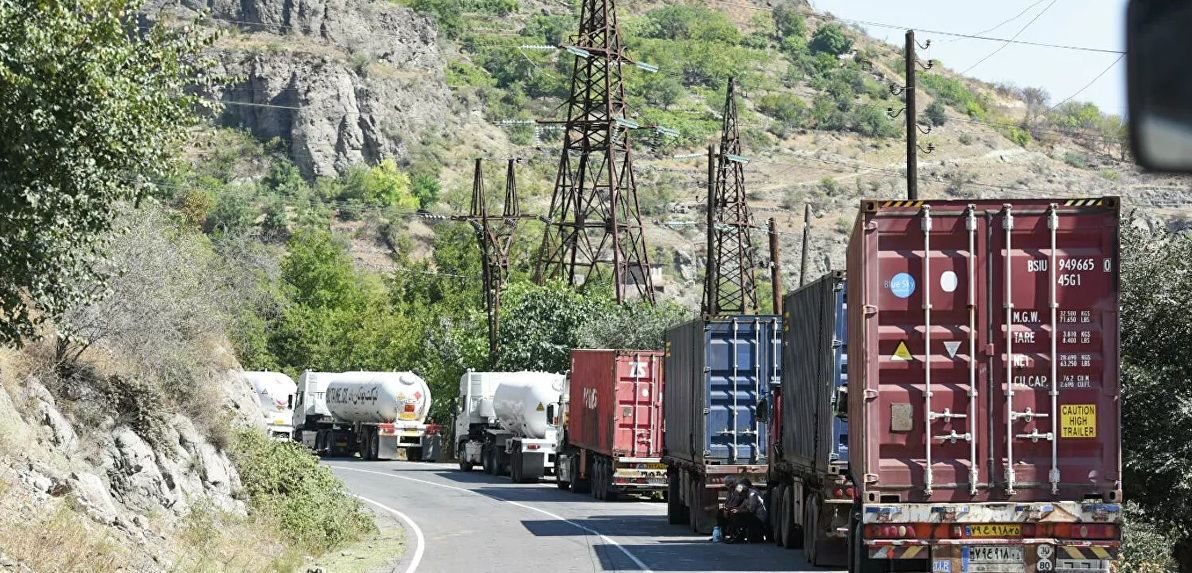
x=1145, y=548
x=232, y=214
x=689, y=23
x=285, y=482
x=426, y=189
x=831, y=39
x=955, y=93
x=936, y=113
x=1077, y=160
x=789, y=21
x=383, y=184
x=873, y=121
x=786, y=108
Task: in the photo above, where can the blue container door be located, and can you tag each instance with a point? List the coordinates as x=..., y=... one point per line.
x=743, y=356
x=839, y=452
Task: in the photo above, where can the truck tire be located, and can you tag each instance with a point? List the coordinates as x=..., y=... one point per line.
x=515, y=466
x=465, y=466
x=597, y=481
x=676, y=512
x=486, y=459
x=858, y=557
x=811, y=529
x=792, y=537
x=579, y=485
x=414, y=454
x=777, y=516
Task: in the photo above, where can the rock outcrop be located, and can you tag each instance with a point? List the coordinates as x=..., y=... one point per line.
x=342, y=81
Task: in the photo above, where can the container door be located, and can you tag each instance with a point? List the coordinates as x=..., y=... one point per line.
x=838, y=454
x=743, y=356
x=639, y=407
x=927, y=401
x=1055, y=336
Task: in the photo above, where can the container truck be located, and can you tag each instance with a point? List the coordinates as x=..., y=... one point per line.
x=811, y=495
x=474, y=415
x=275, y=392
x=378, y=415
x=521, y=437
x=613, y=425
x=983, y=385
x=718, y=377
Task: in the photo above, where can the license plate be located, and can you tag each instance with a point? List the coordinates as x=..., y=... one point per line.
x=407, y=416
x=655, y=466
x=995, y=554
x=994, y=530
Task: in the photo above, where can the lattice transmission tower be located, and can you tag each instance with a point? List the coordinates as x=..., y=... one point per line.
x=594, y=224
x=495, y=234
x=731, y=285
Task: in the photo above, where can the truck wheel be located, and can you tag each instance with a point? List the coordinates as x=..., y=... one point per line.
x=793, y=535
x=676, y=512
x=486, y=459
x=610, y=491
x=578, y=484
x=465, y=466
x=597, y=474
x=811, y=529
x=859, y=561
x=776, y=514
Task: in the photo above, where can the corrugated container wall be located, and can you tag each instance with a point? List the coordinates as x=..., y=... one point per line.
x=811, y=374
x=616, y=402
x=716, y=373
x=984, y=350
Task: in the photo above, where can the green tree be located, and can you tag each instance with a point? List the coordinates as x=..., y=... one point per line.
x=93, y=108
x=637, y=325
x=1156, y=279
x=789, y=21
x=382, y=184
x=936, y=113
x=786, y=108
x=319, y=273
x=426, y=189
x=540, y=325
x=831, y=39
x=232, y=213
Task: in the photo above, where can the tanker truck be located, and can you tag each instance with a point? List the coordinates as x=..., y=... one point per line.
x=379, y=415
x=275, y=392
x=523, y=440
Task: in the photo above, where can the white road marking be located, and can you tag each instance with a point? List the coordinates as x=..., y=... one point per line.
x=418, y=551
x=640, y=564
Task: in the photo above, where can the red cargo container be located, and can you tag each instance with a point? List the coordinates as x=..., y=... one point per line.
x=983, y=368
x=614, y=426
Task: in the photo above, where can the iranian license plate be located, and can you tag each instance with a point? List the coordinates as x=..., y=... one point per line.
x=993, y=530
x=995, y=554
x=655, y=466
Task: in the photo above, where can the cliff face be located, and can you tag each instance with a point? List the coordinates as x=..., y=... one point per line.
x=341, y=81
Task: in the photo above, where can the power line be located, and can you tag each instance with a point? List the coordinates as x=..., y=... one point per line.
x=1004, y=22
x=986, y=38
x=1015, y=37
x=1091, y=82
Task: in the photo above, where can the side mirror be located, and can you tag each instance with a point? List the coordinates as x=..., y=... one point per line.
x=1159, y=82
x=290, y=402
x=550, y=415
x=841, y=402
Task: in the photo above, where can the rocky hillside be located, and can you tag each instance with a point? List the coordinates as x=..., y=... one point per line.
x=441, y=83
x=85, y=486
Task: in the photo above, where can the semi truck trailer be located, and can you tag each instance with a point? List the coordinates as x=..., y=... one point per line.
x=984, y=386
x=275, y=393
x=613, y=424
x=811, y=493
x=512, y=422
x=717, y=401
x=378, y=415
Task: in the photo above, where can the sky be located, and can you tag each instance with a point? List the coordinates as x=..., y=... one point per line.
x=1089, y=23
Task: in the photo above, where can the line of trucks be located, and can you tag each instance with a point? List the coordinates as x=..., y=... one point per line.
x=949, y=403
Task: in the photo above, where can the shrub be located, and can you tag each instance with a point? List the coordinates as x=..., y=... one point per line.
x=965, y=139
x=873, y=121
x=831, y=39
x=426, y=189
x=789, y=21
x=285, y=482
x=1017, y=135
x=689, y=23
x=195, y=205
x=1145, y=548
x=1077, y=160
x=382, y=184
x=786, y=108
x=465, y=74
x=232, y=214
x=955, y=93
x=936, y=113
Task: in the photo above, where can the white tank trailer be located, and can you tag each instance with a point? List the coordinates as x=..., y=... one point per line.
x=508, y=423
x=275, y=392
x=379, y=415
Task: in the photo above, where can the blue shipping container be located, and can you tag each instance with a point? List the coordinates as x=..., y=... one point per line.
x=717, y=373
x=840, y=364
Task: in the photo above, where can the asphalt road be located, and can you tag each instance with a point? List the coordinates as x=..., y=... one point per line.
x=473, y=522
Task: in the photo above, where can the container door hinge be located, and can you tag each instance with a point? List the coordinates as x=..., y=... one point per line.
x=870, y=394
x=706, y=411
x=870, y=478
x=870, y=310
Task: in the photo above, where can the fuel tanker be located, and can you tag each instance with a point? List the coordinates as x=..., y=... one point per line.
x=519, y=435
x=379, y=415
x=275, y=392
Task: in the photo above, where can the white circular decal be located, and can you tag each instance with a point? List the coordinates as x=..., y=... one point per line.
x=1045, y=551
x=949, y=281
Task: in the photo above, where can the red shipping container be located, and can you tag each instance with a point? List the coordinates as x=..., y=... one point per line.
x=616, y=402
x=986, y=370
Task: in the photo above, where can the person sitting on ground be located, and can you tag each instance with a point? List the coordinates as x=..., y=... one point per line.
x=744, y=514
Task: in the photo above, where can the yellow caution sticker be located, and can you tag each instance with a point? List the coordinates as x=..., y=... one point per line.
x=540, y=407
x=1078, y=420
x=902, y=353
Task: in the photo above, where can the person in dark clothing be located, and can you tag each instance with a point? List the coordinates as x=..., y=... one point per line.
x=744, y=516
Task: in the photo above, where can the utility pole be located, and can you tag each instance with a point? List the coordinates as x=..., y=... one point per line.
x=495, y=235
x=912, y=130
x=806, y=235
x=732, y=285
x=775, y=267
x=594, y=220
